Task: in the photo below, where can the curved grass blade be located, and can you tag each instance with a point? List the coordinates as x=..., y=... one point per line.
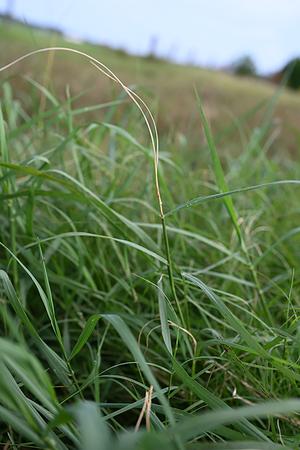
x=193, y=427
x=197, y=200
x=133, y=245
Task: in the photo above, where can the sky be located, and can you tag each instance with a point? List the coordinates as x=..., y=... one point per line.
x=207, y=32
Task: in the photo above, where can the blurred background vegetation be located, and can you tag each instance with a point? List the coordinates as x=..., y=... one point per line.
x=167, y=86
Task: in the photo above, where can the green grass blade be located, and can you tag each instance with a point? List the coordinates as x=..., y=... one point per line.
x=85, y=334
x=94, y=432
x=218, y=170
x=163, y=315
x=197, y=200
x=210, y=421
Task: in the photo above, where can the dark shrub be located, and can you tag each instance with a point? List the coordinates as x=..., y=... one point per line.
x=244, y=67
x=292, y=71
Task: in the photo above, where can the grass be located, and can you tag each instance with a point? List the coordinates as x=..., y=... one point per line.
x=125, y=326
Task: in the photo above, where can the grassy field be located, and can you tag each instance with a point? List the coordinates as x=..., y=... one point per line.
x=146, y=305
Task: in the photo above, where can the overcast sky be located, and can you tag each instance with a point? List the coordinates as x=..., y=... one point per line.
x=209, y=32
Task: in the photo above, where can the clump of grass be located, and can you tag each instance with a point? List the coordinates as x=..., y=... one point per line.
x=130, y=327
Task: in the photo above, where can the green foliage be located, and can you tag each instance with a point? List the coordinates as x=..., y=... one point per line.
x=292, y=71
x=93, y=334
x=244, y=67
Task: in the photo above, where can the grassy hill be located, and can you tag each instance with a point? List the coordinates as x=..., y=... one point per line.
x=168, y=87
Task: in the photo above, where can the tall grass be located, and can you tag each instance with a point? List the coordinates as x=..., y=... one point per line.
x=122, y=331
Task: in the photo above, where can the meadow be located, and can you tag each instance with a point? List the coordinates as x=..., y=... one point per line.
x=149, y=289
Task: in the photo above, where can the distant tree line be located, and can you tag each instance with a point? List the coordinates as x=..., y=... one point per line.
x=289, y=74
